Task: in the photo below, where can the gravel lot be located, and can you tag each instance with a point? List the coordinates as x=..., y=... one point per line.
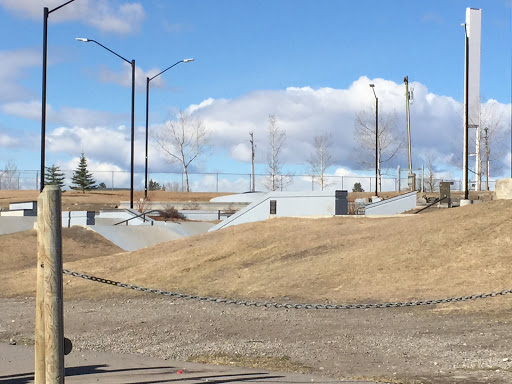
x=399, y=345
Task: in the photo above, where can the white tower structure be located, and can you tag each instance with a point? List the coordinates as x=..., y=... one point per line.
x=473, y=28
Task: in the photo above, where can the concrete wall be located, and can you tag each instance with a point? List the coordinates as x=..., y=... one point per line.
x=288, y=204
x=16, y=224
x=70, y=218
x=503, y=189
x=392, y=206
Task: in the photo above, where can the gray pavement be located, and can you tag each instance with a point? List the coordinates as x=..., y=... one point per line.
x=17, y=367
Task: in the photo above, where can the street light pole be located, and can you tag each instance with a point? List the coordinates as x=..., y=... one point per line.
x=46, y=13
x=132, y=144
x=466, y=117
x=372, y=86
x=148, y=79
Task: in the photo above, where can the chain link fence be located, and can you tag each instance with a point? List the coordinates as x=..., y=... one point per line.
x=228, y=182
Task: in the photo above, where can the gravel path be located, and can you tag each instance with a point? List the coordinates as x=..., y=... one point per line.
x=400, y=345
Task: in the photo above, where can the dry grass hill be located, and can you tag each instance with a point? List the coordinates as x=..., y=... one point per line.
x=460, y=251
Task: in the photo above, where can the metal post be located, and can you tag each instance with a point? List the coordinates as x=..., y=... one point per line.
x=46, y=12
x=372, y=86
x=217, y=182
x=43, y=97
x=376, y=142
x=466, y=118
x=147, y=137
x=422, y=178
x=133, y=135
x=408, y=119
x=399, y=181
x=252, y=161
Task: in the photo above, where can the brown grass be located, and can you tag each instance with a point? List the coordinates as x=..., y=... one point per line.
x=102, y=199
x=445, y=253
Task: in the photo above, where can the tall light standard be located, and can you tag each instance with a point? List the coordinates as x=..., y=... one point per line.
x=372, y=86
x=148, y=79
x=46, y=13
x=132, y=151
x=465, y=175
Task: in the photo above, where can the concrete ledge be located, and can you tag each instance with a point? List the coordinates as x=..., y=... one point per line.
x=503, y=189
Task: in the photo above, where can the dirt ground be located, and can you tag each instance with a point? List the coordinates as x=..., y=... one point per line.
x=439, y=254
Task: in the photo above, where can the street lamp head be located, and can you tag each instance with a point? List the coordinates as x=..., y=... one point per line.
x=82, y=39
x=372, y=85
x=188, y=60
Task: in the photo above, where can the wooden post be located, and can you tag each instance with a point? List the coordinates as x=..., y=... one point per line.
x=39, y=373
x=53, y=298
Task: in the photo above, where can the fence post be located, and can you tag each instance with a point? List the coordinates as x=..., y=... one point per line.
x=53, y=300
x=39, y=373
x=399, y=182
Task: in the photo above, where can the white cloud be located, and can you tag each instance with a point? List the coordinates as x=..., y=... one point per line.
x=13, y=66
x=105, y=15
x=99, y=143
x=103, y=172
x=8, y=141
x=124, y=77
x=65, y=116
x=241, y=152
x=306, y=112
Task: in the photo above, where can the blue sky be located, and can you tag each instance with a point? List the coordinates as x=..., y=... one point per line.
x=296, y=59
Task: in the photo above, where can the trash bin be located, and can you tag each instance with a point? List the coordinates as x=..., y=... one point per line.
x=341, y=203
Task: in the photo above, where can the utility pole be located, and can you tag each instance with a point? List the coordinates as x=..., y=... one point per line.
x=411, y=177
x=253, y=188
x=487, y=153
x=408, y=118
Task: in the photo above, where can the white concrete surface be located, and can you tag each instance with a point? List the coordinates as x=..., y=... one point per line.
x=392, y=206
x=248, y=197
x=16, y=224
x=23, y=205
x=288, y=204
x=131, y=238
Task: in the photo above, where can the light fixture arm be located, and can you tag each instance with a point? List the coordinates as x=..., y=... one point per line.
x=60, y=6
x=165, y=70
x=108, y=49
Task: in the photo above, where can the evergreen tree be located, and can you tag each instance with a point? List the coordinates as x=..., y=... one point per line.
x=154, y=185
x=357, y=188
x=82, y=179
x=54, y=176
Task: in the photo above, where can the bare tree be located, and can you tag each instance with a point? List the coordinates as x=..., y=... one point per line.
x=320, y=159
x=9, y=176
x=184, y=141
x=492, y=139
x=430, y=180
x=388, y=139
x=276, y=138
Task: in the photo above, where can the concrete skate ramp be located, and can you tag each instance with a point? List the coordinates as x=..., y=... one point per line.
x=131, y=238
x=285, y=204
x=392, y=206
x=13, y=224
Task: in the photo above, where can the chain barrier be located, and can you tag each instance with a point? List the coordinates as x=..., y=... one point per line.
x=286, y=305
